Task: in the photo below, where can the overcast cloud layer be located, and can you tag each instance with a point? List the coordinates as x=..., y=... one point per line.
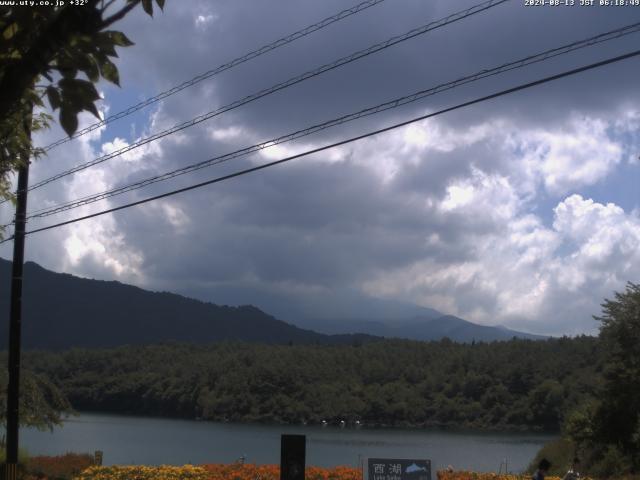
x=522, y=211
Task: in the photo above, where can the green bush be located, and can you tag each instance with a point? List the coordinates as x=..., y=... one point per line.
x=559, y=452
x=23, y=456
x=610, y=463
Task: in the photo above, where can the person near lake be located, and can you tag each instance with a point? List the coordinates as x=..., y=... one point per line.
x=543, y=468
x=573, y=474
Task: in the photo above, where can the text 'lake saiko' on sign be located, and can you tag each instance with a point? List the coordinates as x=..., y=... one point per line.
x=398, y=469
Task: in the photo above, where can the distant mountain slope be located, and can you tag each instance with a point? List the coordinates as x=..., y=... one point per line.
x=459, y=330
x=299, y=306
x=423, y=328
x=62, y=311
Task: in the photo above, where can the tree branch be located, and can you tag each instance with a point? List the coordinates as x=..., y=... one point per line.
x=105, y=7
x=120, y=14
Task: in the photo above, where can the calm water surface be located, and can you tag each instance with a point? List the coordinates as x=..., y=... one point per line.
x=153, y=441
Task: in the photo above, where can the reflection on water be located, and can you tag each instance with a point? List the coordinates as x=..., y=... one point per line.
x=153, y=441
x=366, y=443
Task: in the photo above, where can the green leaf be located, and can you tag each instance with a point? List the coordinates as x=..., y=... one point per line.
x=160, y=4
x=33, y=97
x=54, y=97
x=110, y=71
x=78, y=94
x=91, y=107
x=106, y=46
x=147, y=5
x=118, y=38
x=10, y=31
x=78, y=88
x=91, y=70
x=66, y=64
x=83, y=60
x=68, y=72
x=68, y=120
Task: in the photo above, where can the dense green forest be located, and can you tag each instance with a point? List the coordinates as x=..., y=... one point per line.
x=519, y=384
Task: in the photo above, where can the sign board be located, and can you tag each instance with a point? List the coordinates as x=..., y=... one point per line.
x=398, y=469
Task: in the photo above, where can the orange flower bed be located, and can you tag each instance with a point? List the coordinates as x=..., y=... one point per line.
x=231, y=471
x=447, y=475
x=141, y=472
x=248, y=471
x=335, y=473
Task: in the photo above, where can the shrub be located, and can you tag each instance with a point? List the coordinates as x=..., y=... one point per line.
x=559, y=452
x=22, y=455
x=447, y=475
x=61, y=467
x=610, y=462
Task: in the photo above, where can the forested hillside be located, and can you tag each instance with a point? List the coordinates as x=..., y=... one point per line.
x=516, y=384
x=63, y=311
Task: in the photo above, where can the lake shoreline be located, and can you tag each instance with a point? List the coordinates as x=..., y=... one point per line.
x=135, y=440
x=448, y=428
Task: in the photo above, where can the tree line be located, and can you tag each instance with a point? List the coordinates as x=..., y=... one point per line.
x=518, y=384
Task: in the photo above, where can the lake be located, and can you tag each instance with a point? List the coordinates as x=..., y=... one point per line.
x=155, y=441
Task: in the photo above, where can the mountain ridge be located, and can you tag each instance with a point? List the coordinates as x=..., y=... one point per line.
x=61, y=310
x=422, y=328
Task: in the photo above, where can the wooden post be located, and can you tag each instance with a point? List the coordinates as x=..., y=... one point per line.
x=292, y=457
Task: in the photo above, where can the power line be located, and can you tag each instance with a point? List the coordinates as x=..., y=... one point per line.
x=280, y=86
x=344, y=142
x=539, y=57
x=221, y=68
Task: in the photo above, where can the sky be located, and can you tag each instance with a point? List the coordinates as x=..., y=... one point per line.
x=522, y=211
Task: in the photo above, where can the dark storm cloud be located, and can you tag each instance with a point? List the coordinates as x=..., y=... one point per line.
x=504, y=33
x=281, y=226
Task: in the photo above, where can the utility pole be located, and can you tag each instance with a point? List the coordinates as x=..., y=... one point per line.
x=15, y=320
